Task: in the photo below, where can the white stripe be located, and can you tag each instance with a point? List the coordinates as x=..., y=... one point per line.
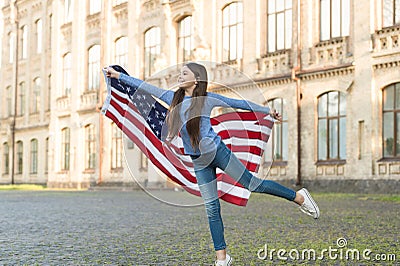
x=241, y=125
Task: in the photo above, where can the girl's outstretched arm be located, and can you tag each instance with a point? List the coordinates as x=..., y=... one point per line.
x=164, y=95
x=223, y=101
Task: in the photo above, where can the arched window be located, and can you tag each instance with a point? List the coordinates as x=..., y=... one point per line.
x=39, y=36
x=334, y=19
x=6, y=158
x=24, y=42
x=152, y=49
x=121, y=51
x=279, y=25
x=332, y=126
x=36, y=95
x=90, y=147
x=34, y=156
x=232, y=32
x=21, y=99
x=185, y=39
x=280, y=132
x=93, y=68
x=65, y=148
x=391, y=121
x=20, y=157
x=68, y=11
x=11, y=44
x=116, y=147
x=46, y=158
x=67, y=74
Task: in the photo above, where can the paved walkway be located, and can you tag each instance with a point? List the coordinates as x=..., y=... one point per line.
x=133, y=228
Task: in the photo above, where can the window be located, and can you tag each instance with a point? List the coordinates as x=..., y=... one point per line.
x=9, y=101
x=152, y=48
x=46, y=158
x=21, y=99
x=19, y=157
x=6, y=158
x=391, y=121
x=335, y=18
x=232, y=32
x=34, y=156
x=67, y=11
x=143, y=161
x=11, y=44
x=130, y=144
x=121, y=51
x=391, y=12
x=279, y=25
x=94, y=6
x=65, y=146
x=332, y=126
x=49, y=34
x=280, y=132
x=24, y=42
x=116, y=147
x=67, y=74
x=36, y=96
x=93, y=68
x=39, y=36
x=90, y=147
x=48, y=93
x=185, y=39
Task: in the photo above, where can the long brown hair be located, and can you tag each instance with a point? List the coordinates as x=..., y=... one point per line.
x=194, y=111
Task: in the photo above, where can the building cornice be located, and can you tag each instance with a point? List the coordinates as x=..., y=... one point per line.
x=386, y=65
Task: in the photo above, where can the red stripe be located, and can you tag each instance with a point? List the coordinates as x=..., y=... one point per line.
x=250, y=149
x=257, y=117
x=246, y=134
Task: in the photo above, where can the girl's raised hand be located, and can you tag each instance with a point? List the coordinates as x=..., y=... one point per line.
x=275, y=115
x=111, y=72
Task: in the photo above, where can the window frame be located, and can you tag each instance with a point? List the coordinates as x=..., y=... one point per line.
x=90, y=147
x=34, y=156
x=329, y=118
x=231, y=27
x=67, y=74
x=65, y=149
x=6, y=157
x=287, y=44
x=154, y=45
x=342, y=29
x=116, y=147
x=185, y=37
x=20, y=157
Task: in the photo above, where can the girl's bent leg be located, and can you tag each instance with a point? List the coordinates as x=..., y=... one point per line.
x=231, y=165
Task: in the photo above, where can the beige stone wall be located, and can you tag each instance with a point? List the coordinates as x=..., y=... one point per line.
x=359, y=66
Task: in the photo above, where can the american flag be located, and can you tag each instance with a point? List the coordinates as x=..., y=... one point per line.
x=141, y=117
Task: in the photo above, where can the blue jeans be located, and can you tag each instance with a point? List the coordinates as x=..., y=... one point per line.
x=205, y=167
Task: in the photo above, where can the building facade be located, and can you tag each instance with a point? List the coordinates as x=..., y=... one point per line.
x=332, y=72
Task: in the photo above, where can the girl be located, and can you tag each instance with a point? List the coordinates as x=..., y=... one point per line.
x=189, y=115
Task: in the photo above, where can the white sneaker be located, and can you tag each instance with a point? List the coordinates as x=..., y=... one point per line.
x=309, y=206
x=227, y=262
